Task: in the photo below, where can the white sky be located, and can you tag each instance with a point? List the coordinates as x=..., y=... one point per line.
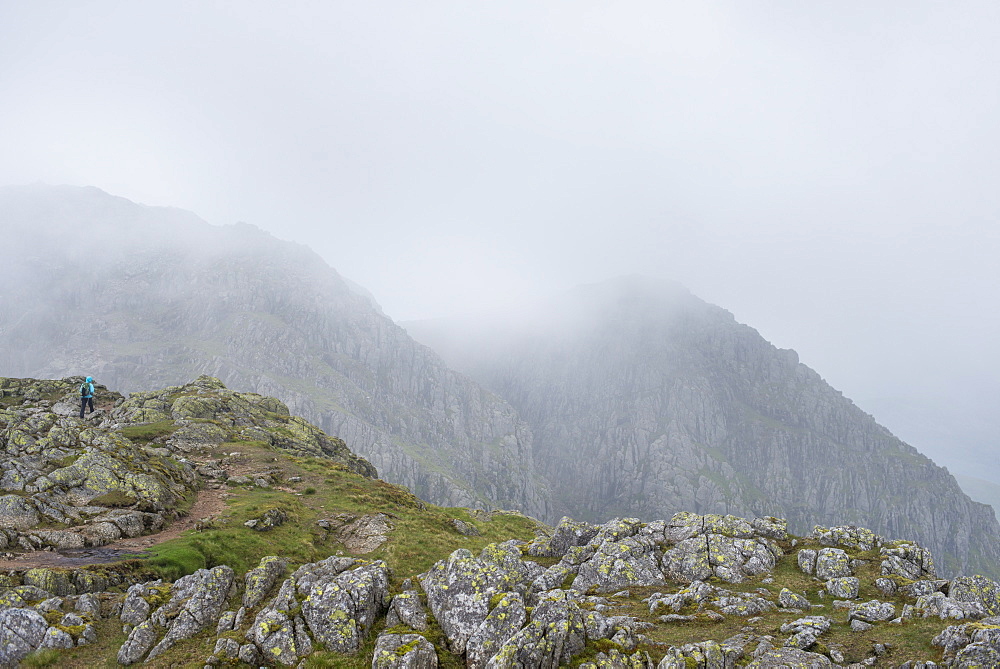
x=827, y=171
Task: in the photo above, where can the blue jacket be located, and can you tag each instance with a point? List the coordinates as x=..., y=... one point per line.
x=87, y=388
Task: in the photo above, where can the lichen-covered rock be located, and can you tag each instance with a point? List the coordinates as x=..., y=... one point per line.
x=254, y=416
x=743, y=604
x=770, y=527
x=18, y=513
x=59, y=539
x=696, y=592
x=557, y=631
x=21, y=631
x=268, y=520
x=259, y=580
x=342, y=599
x=89, y=605
x=615, y=659
x=360, y=533
x=938, y=605
x=981, y=640
x=57, y=638
x=227, y=622
x=567, y=533
x=805, y=631
x=632, y=561
x=140, y=599
x=250, y=654
x=196, y=602
x=554, y=577
x=790, y=658
x=792, y=600
x=846, y=536
x=505, y=619
x=907, y=559
x=979, y=589
x=983, y=652
x=464, y=528
x=911, y=589
x=729, y=559
x=832, y=563
x=227, y=650
x=860, y=626
x=701, y=654
x=22, y=596
x=684, y=525
x=806, y=559
x=459, y=589
x=407, y=609
x=58, y=582
x=273, y=630
x=872, y=611
x=845, y=587
x=404, y=651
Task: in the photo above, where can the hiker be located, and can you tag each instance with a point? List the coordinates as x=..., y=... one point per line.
x=87, y=395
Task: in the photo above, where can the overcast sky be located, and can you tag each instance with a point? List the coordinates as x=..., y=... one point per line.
x=827, y=171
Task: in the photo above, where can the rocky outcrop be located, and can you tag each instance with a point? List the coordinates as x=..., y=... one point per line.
x=404, y=651
x=332, y=603
x=71, y=483
x=75, y=484
x=971, y=644
x=193, y=603
x=236, y=417
x=34, y=619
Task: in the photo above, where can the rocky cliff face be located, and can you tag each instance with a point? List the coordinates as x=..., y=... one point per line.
x=644, y=400
x=143, y=297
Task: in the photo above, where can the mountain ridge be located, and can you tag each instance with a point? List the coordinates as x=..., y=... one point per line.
x=629, y=399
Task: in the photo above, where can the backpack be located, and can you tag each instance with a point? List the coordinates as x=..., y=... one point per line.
x=84, y=390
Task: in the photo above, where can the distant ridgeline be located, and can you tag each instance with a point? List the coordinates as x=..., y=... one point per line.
x=627, y=399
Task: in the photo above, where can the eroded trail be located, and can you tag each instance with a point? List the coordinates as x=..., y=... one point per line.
x=208, y=503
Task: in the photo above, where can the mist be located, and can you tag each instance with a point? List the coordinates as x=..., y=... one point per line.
x=826, y=172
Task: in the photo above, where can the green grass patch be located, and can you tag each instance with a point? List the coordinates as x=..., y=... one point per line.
x=98, y=655
x=233, y=544
x=115, y=499
x=149, y=431
x=46, y=657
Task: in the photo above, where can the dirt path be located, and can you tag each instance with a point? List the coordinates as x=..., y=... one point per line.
x=208, y=503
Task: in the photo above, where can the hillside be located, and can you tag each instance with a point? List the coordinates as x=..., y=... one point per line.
x=643, y=400
x=142, y=297
x=312, y=560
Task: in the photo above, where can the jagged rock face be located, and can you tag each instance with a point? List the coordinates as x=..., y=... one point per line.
x=643, y=399
x=143, y=298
